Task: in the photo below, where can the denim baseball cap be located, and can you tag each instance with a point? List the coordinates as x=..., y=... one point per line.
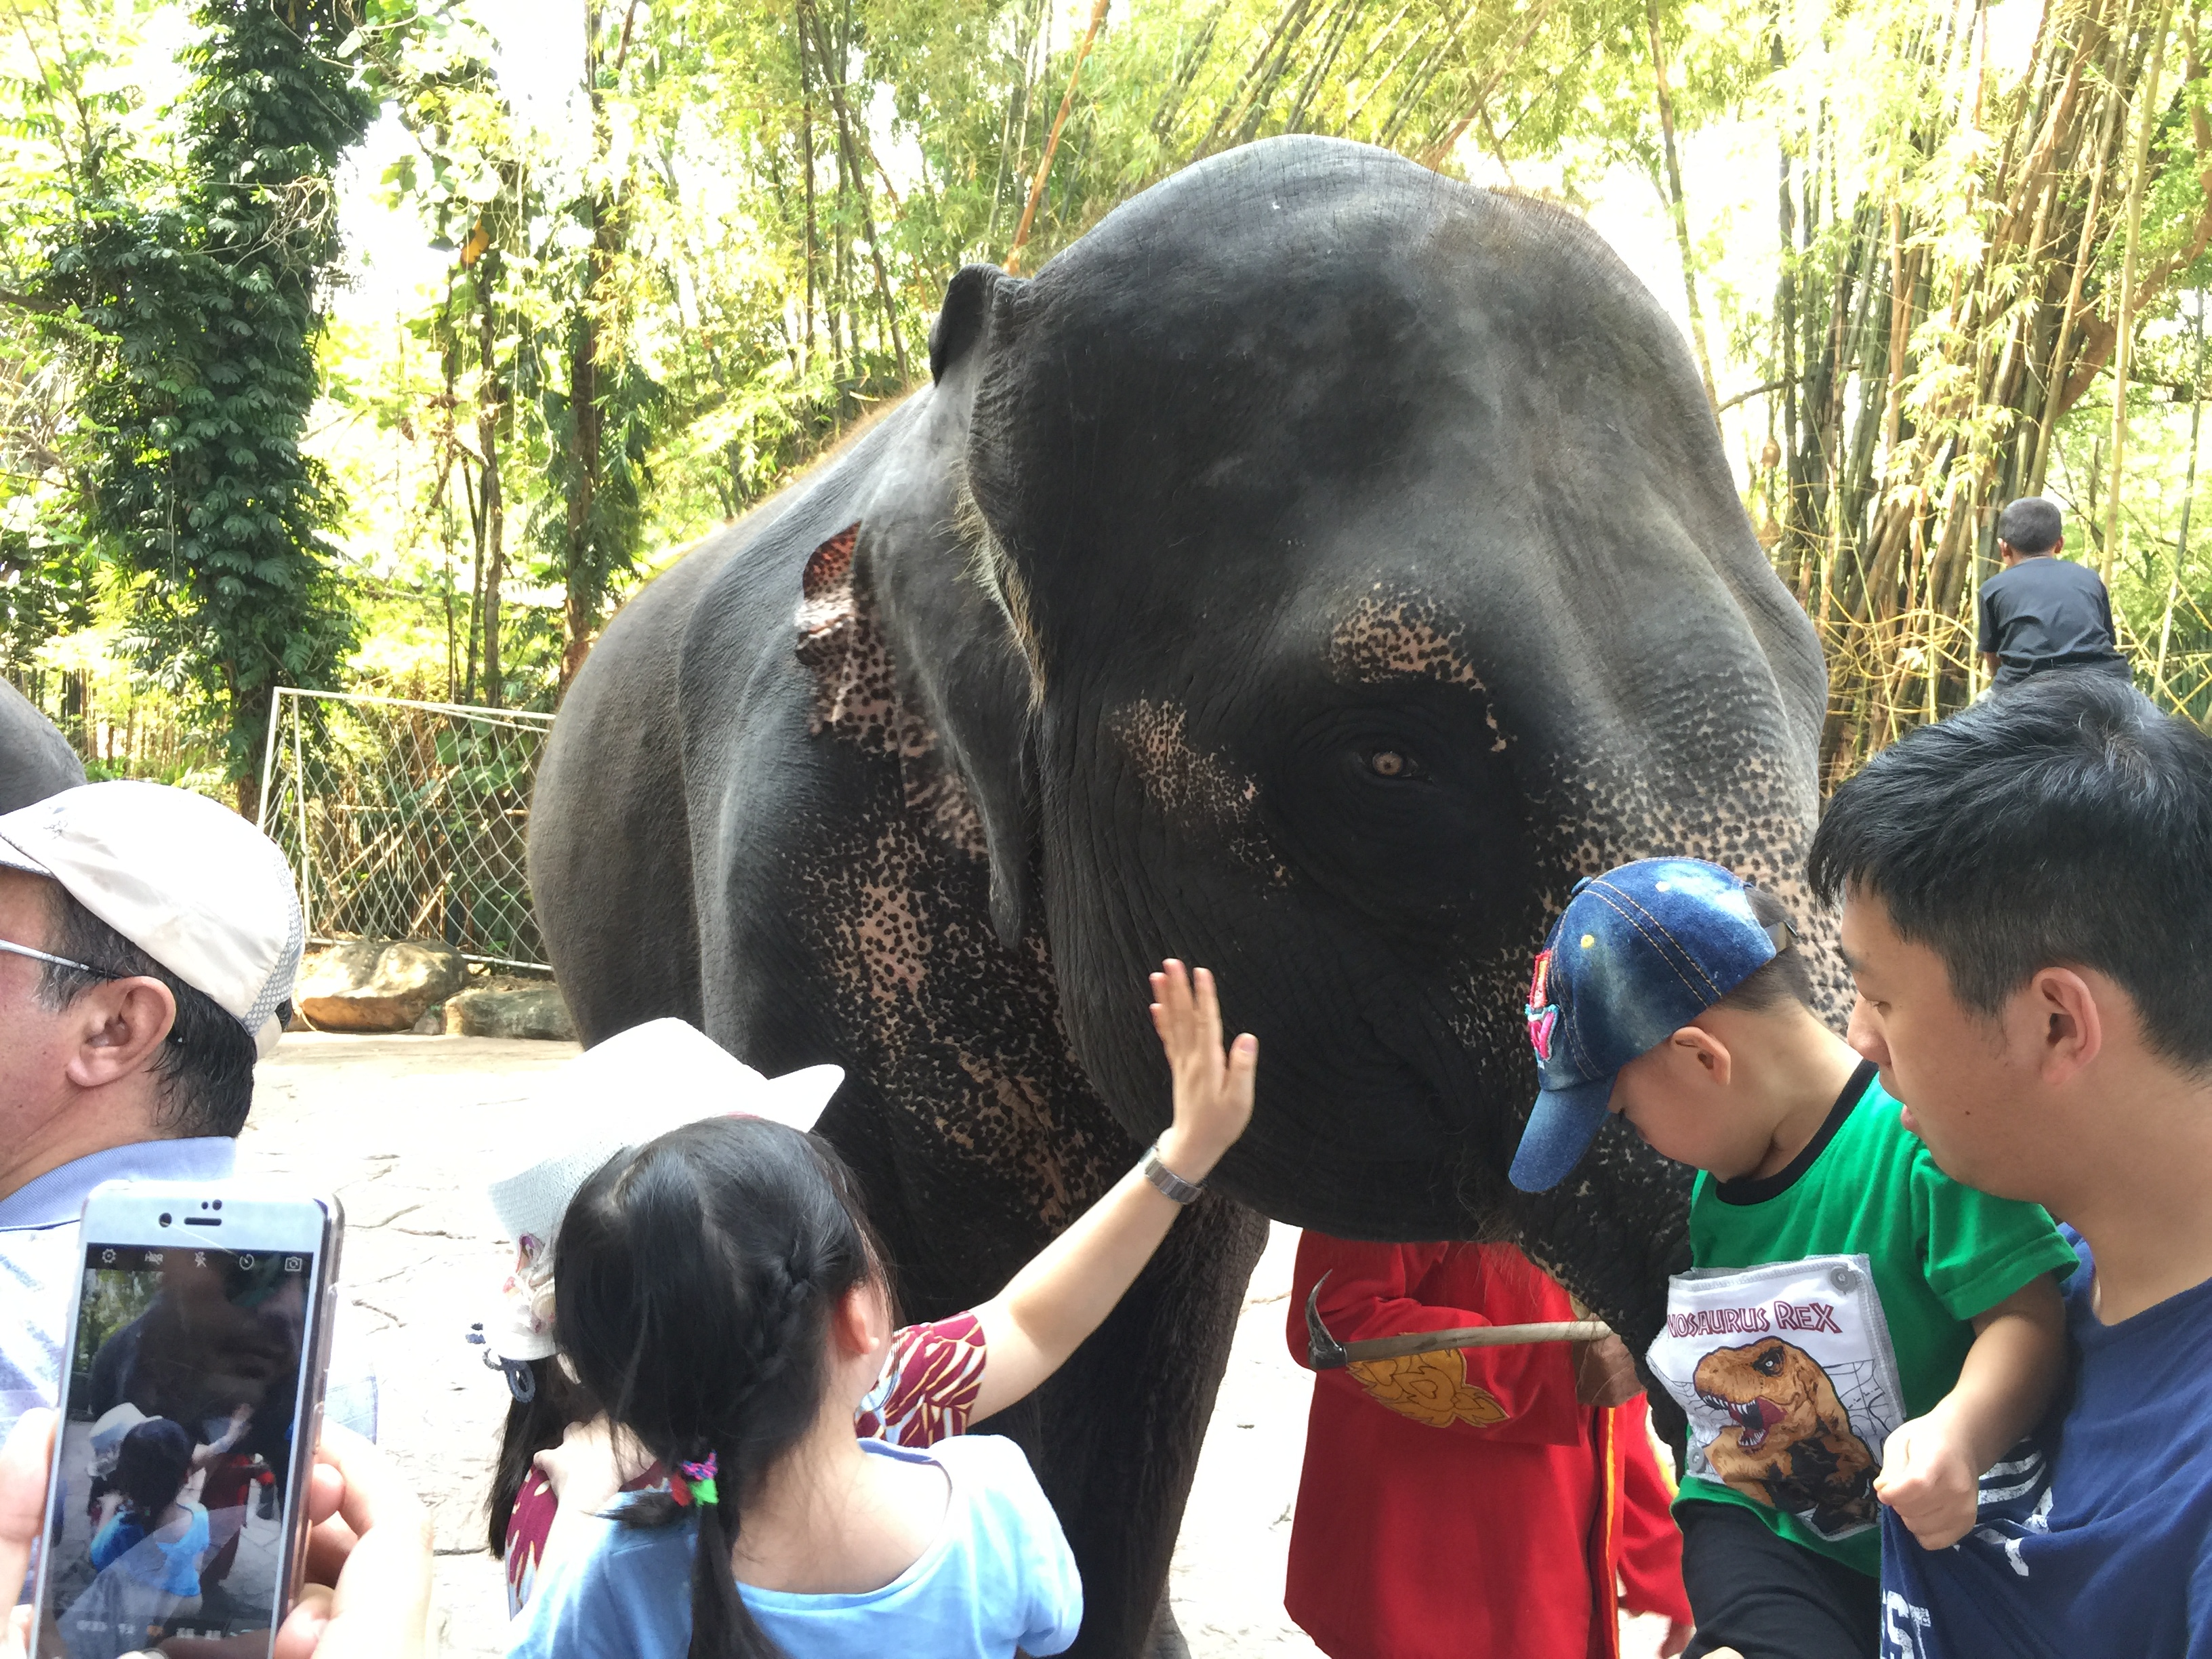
x=1638, y=954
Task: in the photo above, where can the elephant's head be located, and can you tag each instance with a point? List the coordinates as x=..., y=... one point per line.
x=35, y=760
x=1360, y=569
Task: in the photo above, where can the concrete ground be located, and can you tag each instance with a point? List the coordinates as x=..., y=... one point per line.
x=404, y=1129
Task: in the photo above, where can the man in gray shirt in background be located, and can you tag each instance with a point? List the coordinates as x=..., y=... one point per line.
x=2042, y=613
x=149, y=940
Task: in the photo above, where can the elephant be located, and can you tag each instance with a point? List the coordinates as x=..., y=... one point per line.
x=35, y=760
x=1310, y=572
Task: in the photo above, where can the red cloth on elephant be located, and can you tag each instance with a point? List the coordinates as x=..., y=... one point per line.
x=1463, y=1504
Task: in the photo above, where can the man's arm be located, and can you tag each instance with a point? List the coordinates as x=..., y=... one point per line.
x=1932, y=1467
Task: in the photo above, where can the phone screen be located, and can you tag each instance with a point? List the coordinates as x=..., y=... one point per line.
x=175, y=1457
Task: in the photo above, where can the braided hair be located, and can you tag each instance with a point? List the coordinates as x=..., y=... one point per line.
x=697, y=1273
x=151, y=1468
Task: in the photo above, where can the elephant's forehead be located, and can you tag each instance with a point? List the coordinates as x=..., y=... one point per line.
x=1399, y=638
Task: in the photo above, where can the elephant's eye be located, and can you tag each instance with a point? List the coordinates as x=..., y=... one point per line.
x=1393, y=763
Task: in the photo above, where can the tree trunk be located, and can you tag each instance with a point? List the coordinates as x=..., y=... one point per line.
x=1677, y=205
x=806, y=156
x=490, y=408
x=2125, y=322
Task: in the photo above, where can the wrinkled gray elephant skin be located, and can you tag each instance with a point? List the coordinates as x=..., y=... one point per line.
x=35, y=760
x=1310, y=572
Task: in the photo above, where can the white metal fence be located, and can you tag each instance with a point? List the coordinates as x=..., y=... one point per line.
x=406, y=820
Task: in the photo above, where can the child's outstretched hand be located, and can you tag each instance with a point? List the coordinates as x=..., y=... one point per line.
x=1212, y=1089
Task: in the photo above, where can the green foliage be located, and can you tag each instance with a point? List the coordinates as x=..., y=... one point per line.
x=192, y=320
x=113, y=1299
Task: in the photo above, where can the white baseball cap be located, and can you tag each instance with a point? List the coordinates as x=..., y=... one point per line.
x=633, y=1088
x=183, y=877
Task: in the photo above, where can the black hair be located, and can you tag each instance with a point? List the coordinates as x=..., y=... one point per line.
x=693, y=1282
x=533, y=1425
x=205, y=1068
x=1782, y=977
x=2030, y=525
x=2066, y=822
x=151, y=1468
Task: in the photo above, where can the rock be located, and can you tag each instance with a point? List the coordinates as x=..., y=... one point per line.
x=375, y=986
x=520, y=1011
x=431, y=1024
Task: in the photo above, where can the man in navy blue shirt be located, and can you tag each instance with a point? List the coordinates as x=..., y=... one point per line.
x=2042, y=613
x=2025, y=915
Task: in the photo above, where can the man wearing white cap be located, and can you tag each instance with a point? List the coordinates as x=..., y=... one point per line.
x=149, y=940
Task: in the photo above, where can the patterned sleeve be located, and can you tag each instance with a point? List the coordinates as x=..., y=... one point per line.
x=527, y=1525
x=928, y=1385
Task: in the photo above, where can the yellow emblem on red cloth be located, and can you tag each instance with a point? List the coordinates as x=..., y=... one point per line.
x=1429, y=1388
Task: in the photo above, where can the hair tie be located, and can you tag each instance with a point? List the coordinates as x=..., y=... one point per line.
x=693, y=1481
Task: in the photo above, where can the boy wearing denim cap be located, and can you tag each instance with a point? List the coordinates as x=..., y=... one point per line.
x=1856, y=1327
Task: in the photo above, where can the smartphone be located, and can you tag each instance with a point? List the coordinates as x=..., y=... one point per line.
x=191, y=1395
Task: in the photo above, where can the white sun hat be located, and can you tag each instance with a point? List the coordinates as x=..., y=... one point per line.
x=183, y=877
x=633, y=1088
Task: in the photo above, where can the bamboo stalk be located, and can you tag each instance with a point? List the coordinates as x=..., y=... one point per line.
x=2122, y=349
x=1436, y=152
x=1291, y=19
x=1900, y=329
x=1676, y=205
x=2187, y=497
x=2054, y=397
x=1052, y=140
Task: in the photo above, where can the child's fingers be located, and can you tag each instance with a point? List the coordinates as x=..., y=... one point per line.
x=1172, y=987
x=1243, y=1062
x=1208, y=1017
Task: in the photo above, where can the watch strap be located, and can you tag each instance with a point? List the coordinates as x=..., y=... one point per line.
x=1167, y=1180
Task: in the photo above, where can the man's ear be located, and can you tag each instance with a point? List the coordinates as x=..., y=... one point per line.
x=120, y=1024
x=2068, y=1023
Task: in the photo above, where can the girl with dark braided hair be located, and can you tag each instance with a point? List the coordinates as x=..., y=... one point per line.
x=720, y=1298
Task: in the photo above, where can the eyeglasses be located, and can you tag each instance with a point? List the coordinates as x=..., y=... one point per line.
x=58, y=962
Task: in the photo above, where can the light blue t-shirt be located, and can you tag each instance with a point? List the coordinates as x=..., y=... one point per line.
x=1000, y=1576
x=163, y=1564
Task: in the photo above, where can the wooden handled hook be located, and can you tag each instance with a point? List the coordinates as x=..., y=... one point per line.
x=1325, y=1353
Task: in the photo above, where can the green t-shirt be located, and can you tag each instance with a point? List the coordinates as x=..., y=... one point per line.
x=1937, y=1253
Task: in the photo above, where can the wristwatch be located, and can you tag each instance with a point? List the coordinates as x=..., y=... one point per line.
x=1167, y=1180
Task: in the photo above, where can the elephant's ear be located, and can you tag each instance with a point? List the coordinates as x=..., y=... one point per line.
x=956, y=661
x=960, y=320
x=986, y=723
